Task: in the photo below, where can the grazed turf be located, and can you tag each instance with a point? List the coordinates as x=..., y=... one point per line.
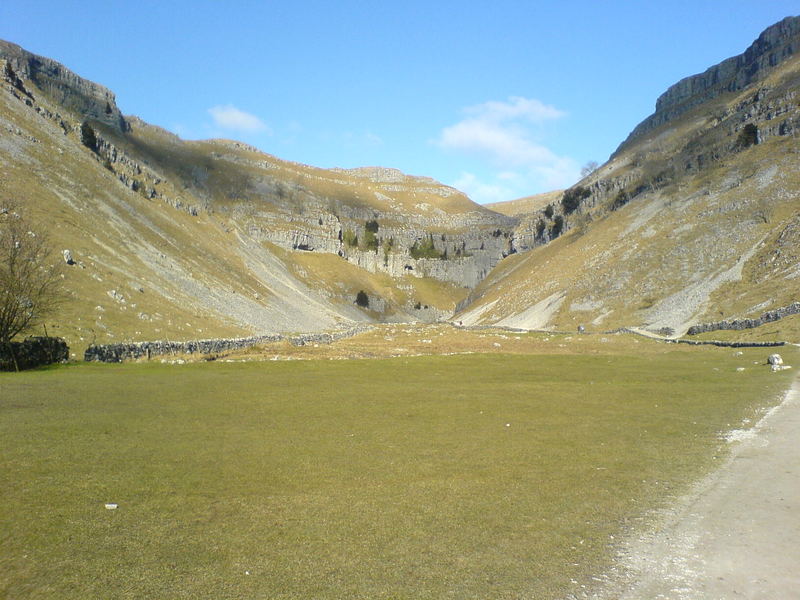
x=480, y=476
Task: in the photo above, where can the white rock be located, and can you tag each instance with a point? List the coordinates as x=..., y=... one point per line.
x=775, y=359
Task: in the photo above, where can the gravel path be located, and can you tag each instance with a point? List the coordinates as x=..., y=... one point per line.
x=738, y=534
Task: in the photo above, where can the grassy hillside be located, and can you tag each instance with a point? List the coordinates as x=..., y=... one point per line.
x=693, y=222
x=529, y=204
x=171, y=239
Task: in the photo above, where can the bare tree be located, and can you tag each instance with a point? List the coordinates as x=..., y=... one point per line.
x=589, y=168
x=30, y=284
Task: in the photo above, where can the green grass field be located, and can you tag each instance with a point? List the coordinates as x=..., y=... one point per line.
x=479, y=476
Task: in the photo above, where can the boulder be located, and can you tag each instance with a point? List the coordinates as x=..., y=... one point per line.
x=775, y=360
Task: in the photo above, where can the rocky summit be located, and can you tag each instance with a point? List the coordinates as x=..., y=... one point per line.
x=694, y=219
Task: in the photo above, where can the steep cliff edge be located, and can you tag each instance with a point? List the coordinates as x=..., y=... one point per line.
x=65, y=88
x=775, y=45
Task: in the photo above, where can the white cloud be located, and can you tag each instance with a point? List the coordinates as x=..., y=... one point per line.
x=505, y=144
x=481, y=192
x=504, y=134
x=231, y=118
x=517, y=107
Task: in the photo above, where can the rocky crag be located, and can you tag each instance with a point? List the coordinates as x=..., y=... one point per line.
x=774, y=46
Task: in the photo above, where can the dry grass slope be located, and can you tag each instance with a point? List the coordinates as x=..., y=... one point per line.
x=716, y=242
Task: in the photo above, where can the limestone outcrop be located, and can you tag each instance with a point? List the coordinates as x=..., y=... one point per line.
x=775, y=44
x=71, y=91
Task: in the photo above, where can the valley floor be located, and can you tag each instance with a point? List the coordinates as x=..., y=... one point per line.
x=455, y=464
x=736, y=534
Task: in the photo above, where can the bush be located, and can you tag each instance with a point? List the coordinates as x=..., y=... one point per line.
x=362, y=299
x=424, y=250
x=370, y=241
x=88, y=137
x=548, y=211
x=748, y=136
x=558, y=227
x=372, y=226
x=572, y=198
x=30, y=284
x=350, y=239
x=620, y=200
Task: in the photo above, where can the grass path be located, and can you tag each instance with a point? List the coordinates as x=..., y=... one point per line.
x=479, y=476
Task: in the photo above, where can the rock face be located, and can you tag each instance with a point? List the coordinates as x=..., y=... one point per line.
x=776, y=44
x=65, y=87
x=462, y=248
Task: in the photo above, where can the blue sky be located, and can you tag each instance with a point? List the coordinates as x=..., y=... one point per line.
x=501, y=99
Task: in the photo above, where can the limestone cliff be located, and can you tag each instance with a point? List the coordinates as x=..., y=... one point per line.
x=775, y=45
x=70, y=91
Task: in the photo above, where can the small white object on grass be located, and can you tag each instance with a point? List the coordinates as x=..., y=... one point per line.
x=775, y=359
x=111, y=505
x=508, y=424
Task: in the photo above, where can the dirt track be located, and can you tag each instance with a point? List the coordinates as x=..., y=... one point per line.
x=738, y=534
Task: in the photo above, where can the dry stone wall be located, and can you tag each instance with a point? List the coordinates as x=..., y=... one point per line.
x=740, y=324
x=33, y=352
x=113, y=353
